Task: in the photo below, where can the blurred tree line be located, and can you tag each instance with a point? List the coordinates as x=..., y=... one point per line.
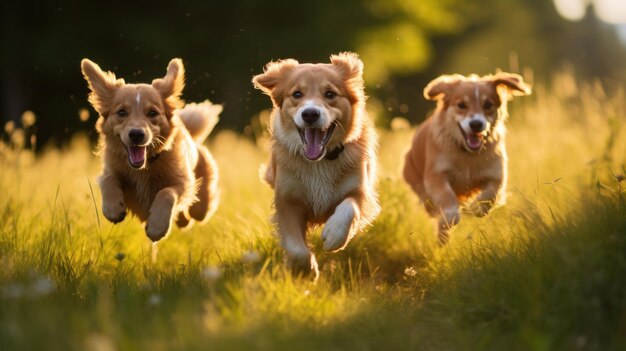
x=403, y=43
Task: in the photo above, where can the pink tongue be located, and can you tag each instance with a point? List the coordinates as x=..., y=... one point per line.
x=474, y=141
x=137, y=154
x=313, y=148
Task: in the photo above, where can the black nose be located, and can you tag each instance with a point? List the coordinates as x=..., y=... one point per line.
x=477, y=125
x=310, y=115
x=136, y=136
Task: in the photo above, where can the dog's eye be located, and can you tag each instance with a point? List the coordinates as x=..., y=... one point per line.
x=152, y=114
x=122, y=113
x=488, y=105
x=462, y=105
x=330, y=94
x=297, y=94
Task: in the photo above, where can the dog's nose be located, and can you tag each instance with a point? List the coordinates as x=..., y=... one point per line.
x=477, y=125
x=136, y=136
x=310, y=115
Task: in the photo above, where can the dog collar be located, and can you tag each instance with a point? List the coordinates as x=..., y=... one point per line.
x=334, y=153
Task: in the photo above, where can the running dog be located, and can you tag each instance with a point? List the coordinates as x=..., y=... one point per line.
x=154, y=162
x=323, y=155
x=459, y=153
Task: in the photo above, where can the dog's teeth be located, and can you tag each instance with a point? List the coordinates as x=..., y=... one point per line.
x=329, y=133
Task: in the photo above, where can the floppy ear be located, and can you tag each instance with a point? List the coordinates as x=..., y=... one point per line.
x=514, y=83
x=272, y=74
x=437, y=89
x=351, y=68
x=103, y=86
x=171, y=86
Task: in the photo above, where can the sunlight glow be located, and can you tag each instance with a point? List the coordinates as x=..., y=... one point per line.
x=611, y=11
x=572, y=10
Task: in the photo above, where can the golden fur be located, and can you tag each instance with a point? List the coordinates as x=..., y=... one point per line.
x=154, y=162
x=449, y=162
x=310, y=188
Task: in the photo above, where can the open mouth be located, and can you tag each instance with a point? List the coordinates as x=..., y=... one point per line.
x=137, y=155
x=315, y=141
x=473, y=141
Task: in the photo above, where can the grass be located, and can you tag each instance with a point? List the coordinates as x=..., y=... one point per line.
x=545, y=272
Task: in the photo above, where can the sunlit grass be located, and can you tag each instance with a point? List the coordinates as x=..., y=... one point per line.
x=543, y=272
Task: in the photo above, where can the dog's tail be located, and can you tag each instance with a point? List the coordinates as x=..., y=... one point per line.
x=200, y=118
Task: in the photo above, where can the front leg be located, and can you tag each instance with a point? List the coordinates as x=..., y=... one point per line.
x=268, y=172
x=161, y=213
x=489, y=192
x=290, y=220
x=113, y=207
x=341, y=226
x=445, y=201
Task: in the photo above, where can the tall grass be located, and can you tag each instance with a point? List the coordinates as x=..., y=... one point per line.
x=544, y=272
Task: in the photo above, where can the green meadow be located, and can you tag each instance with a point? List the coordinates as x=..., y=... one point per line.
x=547, y=271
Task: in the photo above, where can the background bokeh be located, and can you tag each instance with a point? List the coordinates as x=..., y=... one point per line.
x=404, y=44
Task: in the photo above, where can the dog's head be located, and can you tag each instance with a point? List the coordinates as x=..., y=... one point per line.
x=318, y=105
x=135, y=117
x=473, y=106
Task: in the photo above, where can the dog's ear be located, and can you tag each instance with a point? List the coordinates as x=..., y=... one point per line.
x=171, y=86
x=437, y=89
x=513, y=83
x=272, y=74
x=103, y=86
x=351, y=68
x=349, y=64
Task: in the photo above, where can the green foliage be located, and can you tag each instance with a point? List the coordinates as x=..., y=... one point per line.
x=401, y=44
x=404, y=45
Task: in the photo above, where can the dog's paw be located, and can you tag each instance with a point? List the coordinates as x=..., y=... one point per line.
x=451, y=216
x=158, y=225
x=183, y=222
x=336, y=234
x=479, y=208
x=159, y=221
x=303, y=265
x=339, y=228
x=156, y=229
x=114, y=212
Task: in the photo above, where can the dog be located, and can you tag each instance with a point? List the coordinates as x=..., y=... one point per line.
x=459, y=153
x=323, y=154
x=154, y=162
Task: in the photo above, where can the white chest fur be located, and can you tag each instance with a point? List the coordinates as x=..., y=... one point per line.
x=321, y=185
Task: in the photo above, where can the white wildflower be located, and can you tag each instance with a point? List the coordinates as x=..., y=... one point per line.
x=212, y=273
x=410, y=271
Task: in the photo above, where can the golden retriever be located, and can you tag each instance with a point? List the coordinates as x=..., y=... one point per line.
x=323, y=154
x=459, y=153
x=154, y=162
